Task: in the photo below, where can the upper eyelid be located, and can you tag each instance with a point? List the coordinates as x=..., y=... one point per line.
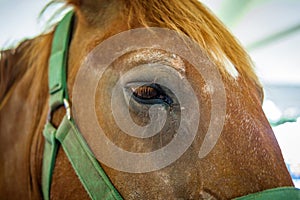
x=151, y=73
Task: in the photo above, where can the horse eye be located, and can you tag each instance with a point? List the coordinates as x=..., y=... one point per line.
x=151, y=94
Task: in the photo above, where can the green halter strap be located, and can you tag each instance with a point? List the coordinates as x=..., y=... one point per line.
x=87, y=168
x=280, y=193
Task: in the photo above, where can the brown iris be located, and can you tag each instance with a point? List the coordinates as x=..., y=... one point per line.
x=145, y=92
x=151, y=94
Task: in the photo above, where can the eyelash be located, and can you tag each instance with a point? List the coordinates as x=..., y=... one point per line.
x=151, y=94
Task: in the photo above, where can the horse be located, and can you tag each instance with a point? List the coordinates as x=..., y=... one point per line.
x=245, y=159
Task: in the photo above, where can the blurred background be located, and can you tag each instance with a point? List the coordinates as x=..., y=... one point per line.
x=268, y=29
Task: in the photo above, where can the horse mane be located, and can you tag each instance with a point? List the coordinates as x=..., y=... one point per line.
x=197, y=21
x=10, y=69
x=29, y=55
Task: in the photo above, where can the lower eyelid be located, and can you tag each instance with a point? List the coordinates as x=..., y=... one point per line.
x=159, y=99
x=148, y=101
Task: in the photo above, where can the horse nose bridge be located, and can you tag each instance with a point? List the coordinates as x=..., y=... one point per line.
x=186, y=176
x=181, y=184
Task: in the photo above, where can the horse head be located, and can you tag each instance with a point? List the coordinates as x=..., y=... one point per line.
x=138, y=61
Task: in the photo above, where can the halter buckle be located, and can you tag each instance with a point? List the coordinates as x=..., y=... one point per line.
x=67, y=108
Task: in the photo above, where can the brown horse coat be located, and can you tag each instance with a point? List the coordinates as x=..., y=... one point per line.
x=246, y=159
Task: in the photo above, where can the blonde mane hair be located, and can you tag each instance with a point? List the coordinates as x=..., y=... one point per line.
x=196, y=21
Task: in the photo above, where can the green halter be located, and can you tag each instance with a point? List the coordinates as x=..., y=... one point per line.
x=87, y=168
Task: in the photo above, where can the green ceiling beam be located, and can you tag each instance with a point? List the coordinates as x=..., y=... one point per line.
x=274, y=37
x=232, y=11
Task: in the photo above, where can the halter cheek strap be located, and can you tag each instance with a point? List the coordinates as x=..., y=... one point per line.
x=87, y=168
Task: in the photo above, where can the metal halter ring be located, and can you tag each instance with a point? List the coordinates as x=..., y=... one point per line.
x=67, y=108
